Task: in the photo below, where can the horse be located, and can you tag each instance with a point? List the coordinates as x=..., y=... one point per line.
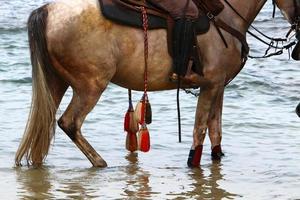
x=73, y=45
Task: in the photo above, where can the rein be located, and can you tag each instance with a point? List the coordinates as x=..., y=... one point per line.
x=270, y=44
x=273, y=42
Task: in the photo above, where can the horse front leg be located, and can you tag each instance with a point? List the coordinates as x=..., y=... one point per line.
x=215, y=126
x=205, y=101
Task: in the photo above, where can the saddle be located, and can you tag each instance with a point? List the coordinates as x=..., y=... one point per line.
x=128, y=12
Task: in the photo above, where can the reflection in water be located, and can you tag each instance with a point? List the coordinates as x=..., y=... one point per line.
x=35, y=183
x=128, y=182
x=137, y=182
x=91, y=183
x=207, y=187
x=41, y=183
x=81, y=184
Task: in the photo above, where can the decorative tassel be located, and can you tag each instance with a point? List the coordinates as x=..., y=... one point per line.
x=127, y=121
x=143, y=111
x=140, y=111
x=148, y=114
x=130, y=122
x=143, y=108
x=131, y=126
x=131, y=142
x=144, y=139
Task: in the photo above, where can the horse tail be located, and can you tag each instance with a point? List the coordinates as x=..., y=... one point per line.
x=40, y=126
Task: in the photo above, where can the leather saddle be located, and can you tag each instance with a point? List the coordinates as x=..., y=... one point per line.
x=128, y=12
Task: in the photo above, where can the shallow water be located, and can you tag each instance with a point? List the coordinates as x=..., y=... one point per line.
x=260, y=133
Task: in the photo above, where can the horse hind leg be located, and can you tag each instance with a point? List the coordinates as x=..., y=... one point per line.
x=83, y=101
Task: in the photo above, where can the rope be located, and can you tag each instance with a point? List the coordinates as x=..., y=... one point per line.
x=268, y=37
x=145, y=29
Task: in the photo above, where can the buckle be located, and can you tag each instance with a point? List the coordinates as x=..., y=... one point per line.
x=210, y=15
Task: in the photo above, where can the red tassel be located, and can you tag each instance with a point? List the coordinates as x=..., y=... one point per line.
x=131, y=142
x=144, y=139
x=127, y=121
x=130, y=122
x=143, y=111
x=140, y=111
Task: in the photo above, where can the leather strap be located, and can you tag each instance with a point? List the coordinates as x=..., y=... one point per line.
x=241, y=38
x=235, y=33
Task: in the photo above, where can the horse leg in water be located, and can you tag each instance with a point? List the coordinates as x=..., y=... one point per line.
x=215, y=126
x=298, y=110
x=85, y=97
x=205, y=101
x=86, y=93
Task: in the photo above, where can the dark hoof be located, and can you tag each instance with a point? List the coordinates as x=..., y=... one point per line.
x=216, y=153
x=99, y=163
x=298, y=110
x=195, y=156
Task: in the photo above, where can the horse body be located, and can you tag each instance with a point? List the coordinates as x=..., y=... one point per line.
x=87, y=51
x=93, y=40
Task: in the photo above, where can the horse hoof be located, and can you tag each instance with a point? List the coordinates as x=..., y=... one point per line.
x=195, y=156
x=216, y=153
x=298, y=110
x=100, y=163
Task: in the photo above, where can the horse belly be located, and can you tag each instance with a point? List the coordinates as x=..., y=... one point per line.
x=131, y=62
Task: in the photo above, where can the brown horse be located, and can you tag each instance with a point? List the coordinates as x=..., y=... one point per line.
x=73, y=45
